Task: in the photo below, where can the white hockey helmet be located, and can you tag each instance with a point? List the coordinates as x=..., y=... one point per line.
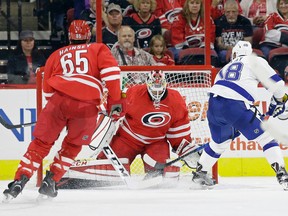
x=242, y=48
x=156, y=84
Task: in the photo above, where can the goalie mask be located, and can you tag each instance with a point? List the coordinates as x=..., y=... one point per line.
x=156, y=84
x=242, y=48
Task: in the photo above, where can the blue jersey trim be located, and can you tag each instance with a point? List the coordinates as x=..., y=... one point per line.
x=276, y=78
x=271, y=144
x=236, y=88
x=210, y=152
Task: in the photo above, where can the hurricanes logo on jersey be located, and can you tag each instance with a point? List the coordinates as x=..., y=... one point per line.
x=172, y=15
x=143, y=33
x=156, y=119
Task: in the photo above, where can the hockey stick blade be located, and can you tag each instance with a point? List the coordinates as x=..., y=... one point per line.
x=124, y=174
x=161, y=166
x=11, y=126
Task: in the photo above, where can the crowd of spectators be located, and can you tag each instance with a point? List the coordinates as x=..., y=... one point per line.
x=154, y=32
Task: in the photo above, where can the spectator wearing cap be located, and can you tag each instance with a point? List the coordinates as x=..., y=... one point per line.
x=114, y=18
x=24, y=61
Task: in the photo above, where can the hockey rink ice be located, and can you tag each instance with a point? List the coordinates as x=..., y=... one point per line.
x=242, y=196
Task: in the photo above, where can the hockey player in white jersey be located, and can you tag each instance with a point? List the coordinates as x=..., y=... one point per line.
x=231, y=111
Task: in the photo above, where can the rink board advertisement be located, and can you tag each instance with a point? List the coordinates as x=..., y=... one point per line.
x=243, y=158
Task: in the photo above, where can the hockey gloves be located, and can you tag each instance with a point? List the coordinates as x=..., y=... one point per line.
x=192, y=159
x=276, y=107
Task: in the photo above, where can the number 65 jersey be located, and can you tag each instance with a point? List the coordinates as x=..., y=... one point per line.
x=238, y=80
x=79, y=70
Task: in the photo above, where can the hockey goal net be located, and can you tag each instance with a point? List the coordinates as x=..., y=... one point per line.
x=192, y=82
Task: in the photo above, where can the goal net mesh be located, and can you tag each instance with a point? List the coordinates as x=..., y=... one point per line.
x=193, y=86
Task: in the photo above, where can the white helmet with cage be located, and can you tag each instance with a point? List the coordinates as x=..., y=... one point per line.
x=242, y=48
x=156, y=84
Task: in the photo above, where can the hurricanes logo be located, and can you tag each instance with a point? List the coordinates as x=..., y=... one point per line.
x=171, y=15
x=143, y=33
x=156, y=119
x=194, y=41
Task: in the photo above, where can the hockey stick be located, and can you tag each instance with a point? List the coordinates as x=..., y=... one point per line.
x=116, y=163
x=102, y=143
x=118, y=166
x=160, y=166
x=11, y=126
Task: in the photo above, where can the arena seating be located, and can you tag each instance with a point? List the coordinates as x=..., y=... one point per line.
x=196, y=56
x=278, y=59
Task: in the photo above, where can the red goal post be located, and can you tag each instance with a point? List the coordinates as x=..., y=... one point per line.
x=191, y=81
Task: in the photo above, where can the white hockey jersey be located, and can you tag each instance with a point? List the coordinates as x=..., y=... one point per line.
x=239, y=79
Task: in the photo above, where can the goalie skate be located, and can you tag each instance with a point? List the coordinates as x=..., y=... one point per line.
x=14, y=188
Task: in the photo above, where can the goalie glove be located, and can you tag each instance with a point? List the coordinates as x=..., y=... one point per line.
x=192, y=159
x=277, y=107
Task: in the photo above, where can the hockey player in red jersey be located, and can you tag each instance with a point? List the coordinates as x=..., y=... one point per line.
x=73, y=85
x=155, y=116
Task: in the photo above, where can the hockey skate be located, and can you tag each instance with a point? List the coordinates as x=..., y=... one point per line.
x=202, y=178
x=48, y=187
x=282, y=178
x=14, y=188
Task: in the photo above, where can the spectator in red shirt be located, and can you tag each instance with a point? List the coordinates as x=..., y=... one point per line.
x=158, y=48
x=276, y=29
x=258, y=10
x=189, y=29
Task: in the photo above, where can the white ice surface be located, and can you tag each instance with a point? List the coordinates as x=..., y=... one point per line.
x=255, y=196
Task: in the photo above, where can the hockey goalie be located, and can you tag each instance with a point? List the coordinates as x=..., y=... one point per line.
x=154, y=122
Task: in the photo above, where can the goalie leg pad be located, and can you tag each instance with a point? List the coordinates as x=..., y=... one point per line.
x=98, y=170
x=172, y=172
x=153, y=151
x=103, y=134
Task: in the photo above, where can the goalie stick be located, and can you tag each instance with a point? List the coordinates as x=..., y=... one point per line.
x=124, y=174
x=160, y=166
x=103, y=144
x=11, y=126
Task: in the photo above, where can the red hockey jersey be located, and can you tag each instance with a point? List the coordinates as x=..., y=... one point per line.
x=79, y=72
x=166, y=60
x=274, y=21
x=167, y=11
x=191, y=34
x=144, y=124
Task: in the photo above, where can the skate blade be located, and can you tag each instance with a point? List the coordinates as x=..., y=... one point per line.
x=43, y=198
x=285, y=186
x=7, y=198
x=201, y=186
